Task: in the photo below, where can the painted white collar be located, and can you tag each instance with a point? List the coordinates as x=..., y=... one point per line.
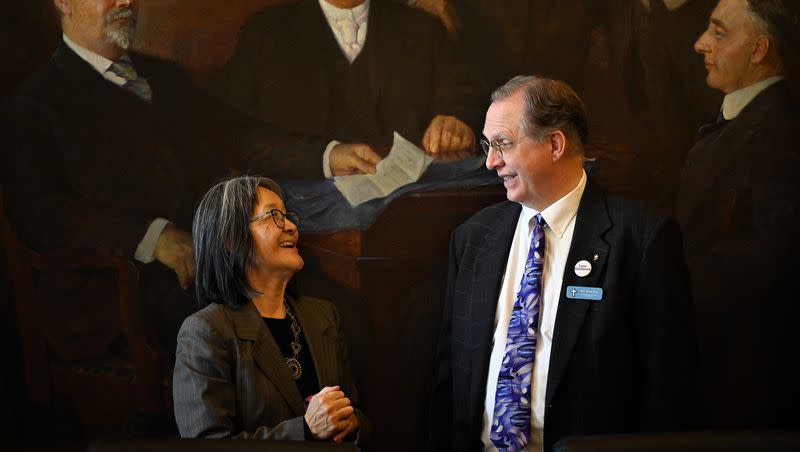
x=734, y=103
x=344, y=13
x=97, y=61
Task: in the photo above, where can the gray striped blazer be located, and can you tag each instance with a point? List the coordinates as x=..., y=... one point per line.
x=231, y=380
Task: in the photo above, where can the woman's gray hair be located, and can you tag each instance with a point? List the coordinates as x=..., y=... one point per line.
x=223, y=244
x=550, y=105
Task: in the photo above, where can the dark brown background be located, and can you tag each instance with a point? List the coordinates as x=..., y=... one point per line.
x=593, y=45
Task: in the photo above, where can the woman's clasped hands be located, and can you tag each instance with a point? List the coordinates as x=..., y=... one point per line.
x=330, y=415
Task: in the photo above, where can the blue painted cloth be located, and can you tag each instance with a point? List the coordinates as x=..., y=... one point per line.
x=323, y=209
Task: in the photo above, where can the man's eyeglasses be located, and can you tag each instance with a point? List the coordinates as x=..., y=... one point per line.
x=498, y=146
x=279, y=217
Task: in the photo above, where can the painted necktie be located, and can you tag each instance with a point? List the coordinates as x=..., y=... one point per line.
x=123, y=67
x=511, y=426
x=352, y=33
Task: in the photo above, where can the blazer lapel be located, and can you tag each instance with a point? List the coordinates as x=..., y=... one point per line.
x=589, y=244
x=488, y=275
x=322, y=346
x=250, y=327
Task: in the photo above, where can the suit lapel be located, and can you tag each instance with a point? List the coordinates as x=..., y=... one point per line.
x=86, y=84
x=488, y=275
x=93, y=91
x=375, y=47
x=315, y=51
x=314, y=32
x=322, y=346
x=250, y=327
x=588, y=243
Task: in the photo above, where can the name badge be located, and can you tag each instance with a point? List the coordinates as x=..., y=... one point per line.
x=585, y=293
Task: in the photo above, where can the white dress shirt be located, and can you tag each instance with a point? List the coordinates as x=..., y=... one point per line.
x=560, y=219
x=146, y=248
x=734, y=103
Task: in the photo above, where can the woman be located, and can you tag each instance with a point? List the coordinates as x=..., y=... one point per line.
x=246, y=362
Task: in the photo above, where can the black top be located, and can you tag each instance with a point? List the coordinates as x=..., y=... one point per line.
x=281, y=331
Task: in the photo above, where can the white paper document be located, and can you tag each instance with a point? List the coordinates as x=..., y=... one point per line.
x=405, y=164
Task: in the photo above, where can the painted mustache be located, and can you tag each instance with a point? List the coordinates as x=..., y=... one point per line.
x=122, y=13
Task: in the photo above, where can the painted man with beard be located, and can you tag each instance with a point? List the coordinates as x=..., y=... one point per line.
x=108, y=149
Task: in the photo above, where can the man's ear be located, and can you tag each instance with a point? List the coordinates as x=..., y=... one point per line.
x=558, y=145
x=760, y=49
x=63, y=6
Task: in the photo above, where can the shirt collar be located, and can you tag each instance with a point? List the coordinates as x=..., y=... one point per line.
x=734, y=103
x=97, y=61
x=559, y=214
x=344, y=13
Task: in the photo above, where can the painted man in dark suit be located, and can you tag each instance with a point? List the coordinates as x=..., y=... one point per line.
x=107, y=148
x=356, y=71
x=739, y=205
x=601, y=334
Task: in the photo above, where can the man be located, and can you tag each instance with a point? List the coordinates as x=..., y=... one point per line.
x=598, y=338
x=651, y=45
x=738, y=206
x=107, y=149
x=354, y=70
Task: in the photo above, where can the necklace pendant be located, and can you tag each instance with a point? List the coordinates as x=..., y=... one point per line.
x=294, y=368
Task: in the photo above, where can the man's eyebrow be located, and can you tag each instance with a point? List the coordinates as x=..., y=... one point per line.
x=499, y=137
x=718, y=23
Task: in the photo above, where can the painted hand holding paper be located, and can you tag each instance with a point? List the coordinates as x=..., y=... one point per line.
x=405, y=164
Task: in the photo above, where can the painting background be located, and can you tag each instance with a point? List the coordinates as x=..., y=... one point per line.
x=641, y=81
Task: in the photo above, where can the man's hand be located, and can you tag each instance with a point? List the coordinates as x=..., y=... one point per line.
x=174, y=249
x=353, y=158
x=329, y=413
x=448, y=138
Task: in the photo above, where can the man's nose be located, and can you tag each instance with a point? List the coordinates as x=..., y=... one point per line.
x=701, y=45
x=493, y=160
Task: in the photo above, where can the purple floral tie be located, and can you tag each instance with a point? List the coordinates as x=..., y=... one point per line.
x=511, y=426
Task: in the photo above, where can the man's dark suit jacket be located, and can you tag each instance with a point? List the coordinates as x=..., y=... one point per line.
x=98, y=159
x=289, y=70
x=231, y=380
x=89, y=165
x=739, y=207
x=622, y=364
